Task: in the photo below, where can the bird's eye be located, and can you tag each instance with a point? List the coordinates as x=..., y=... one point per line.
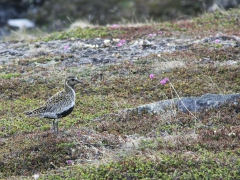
x=72, y=79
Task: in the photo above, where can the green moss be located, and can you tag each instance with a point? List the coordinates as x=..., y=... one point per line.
x=66, y=145
x=36, y=152
x=9, y=75
x=219, y=19
x=84, y=33
x=173, y=166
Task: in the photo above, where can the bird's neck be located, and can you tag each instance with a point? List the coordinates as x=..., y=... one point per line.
x=69, y=89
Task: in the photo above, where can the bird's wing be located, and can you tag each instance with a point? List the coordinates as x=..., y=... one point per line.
x=55, y=99
x=54, y=104
x=57, y=102
x=36, y=112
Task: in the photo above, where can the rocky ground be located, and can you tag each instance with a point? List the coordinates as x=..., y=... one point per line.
x=100, y=51
x=110, y=135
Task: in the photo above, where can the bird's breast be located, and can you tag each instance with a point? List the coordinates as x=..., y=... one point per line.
x=65, y=112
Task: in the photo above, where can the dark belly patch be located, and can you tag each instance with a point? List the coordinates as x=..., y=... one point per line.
x=65, y=113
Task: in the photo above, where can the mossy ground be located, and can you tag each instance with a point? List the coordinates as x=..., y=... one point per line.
x=99, y=121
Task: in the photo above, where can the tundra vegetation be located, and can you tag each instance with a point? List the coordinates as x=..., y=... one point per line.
x=103, y=140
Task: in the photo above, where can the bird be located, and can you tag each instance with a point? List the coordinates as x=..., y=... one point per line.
x=59, y=105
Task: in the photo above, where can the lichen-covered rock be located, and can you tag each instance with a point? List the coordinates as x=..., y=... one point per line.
x=191, y=103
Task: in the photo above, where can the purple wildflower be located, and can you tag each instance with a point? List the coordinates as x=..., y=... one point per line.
x=152, y=35
x=66, y=47
x=217, y=41
x=164, y=81
x=69, y=162
x=151, y=76
x=115, y=26
x=121, y=42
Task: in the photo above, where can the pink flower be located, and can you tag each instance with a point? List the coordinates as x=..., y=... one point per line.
x=164, y=81
x=121, y=42
x=217, y=41
x=66, y=47
x=152, y=35
x=151, y=76
x=70, y=162
x=114, y=26
x=160, y=32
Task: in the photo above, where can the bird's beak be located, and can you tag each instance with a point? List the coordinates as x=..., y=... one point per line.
x=80, y=82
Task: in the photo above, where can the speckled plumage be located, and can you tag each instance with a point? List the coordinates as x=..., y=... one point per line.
x=59, y=105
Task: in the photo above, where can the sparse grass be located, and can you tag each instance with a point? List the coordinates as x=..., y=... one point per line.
x=26, y=35
x=160, y=166
x=225, y=22
x=98, y=127
x=113, y=93
x=99, y=32
x=208, y=24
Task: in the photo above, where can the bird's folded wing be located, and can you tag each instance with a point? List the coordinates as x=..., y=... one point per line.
x=36, y=111
x=55, y=99
x=58, y=102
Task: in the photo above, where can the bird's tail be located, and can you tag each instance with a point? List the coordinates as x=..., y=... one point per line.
x=35, y=112
x=28, y=113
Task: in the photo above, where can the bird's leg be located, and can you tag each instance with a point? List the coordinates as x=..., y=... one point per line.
x=53, y=125
x=57, y=126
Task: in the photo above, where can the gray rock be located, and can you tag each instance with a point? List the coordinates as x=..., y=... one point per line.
x=21, y=23
x=223, y=4
x=190, y=103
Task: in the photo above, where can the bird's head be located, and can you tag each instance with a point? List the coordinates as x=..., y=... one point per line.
x=72, y=81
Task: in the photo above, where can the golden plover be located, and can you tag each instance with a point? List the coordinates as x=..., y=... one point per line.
x=59, y=105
